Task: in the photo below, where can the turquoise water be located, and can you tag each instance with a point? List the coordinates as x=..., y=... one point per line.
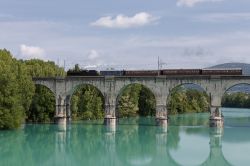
x=187, y=141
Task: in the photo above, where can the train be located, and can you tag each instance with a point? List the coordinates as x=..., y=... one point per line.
x=163, y=72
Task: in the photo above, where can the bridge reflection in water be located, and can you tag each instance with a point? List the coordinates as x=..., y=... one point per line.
x=143, y=144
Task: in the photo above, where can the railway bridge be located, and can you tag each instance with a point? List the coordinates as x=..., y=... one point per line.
x=161, y=86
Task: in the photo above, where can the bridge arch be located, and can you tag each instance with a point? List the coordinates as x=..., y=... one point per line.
x=227, y=88
x=185, y=86
x=188, y=85
x=144, y=88
x=81, y=85
x=242, y=88
x=78, y=92
x=47, y=85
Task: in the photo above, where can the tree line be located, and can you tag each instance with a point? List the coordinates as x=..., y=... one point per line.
x=183, y=100
x=236, y=100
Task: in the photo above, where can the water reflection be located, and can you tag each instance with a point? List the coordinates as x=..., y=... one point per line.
x=191, y=143
x=236, y=145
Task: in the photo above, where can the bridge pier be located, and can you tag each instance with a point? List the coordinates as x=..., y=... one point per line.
x=109, y=121
x=110, y=118
x=61, y=107
x=60, y=119
x=216, y=118
x=161, y=116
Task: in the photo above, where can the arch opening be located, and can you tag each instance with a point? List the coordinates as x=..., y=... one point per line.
x=135, y=100
x=42, y=108
x=87, y=103
x=237, y=96
x=236, y=105
x=188, y=98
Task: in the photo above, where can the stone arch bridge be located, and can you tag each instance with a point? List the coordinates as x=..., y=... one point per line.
x=160, y=86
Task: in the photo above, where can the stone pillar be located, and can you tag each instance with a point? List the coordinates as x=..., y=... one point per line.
x=110, y=102
x=161, y=115
x=110, y=118
x=160, y=91
x=60, y=116
x=216, y=117
x=161, y=110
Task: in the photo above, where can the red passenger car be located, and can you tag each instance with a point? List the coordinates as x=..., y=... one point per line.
x=229, y=71
x=181, y=72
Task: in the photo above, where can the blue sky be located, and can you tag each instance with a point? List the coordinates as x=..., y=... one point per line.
x=127, y=34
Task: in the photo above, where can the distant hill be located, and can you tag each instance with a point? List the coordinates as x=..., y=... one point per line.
x=244, y=66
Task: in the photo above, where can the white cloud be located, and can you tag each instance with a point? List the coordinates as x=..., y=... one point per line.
x=93, y=54
x=122, y=21
x=29, y=52
x=191, y=3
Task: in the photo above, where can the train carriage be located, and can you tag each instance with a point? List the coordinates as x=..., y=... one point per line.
x=181, y=72
x=141, y=73
x=112, y=73
x=229, y=71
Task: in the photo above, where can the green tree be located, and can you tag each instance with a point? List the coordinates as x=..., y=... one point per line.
x=236, y=100
x=15, y=96
x=42, y=108
x=183, y=100
x=136, y=100
x=87, y=103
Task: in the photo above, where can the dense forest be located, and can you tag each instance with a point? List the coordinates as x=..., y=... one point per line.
x=16, y=91
x=21, y=101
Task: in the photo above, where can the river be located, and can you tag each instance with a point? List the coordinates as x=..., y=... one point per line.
x=188, y=140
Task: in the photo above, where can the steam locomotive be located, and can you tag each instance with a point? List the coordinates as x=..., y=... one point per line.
x=168, y=72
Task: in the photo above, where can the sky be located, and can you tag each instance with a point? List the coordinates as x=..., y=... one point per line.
x=127, y=34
